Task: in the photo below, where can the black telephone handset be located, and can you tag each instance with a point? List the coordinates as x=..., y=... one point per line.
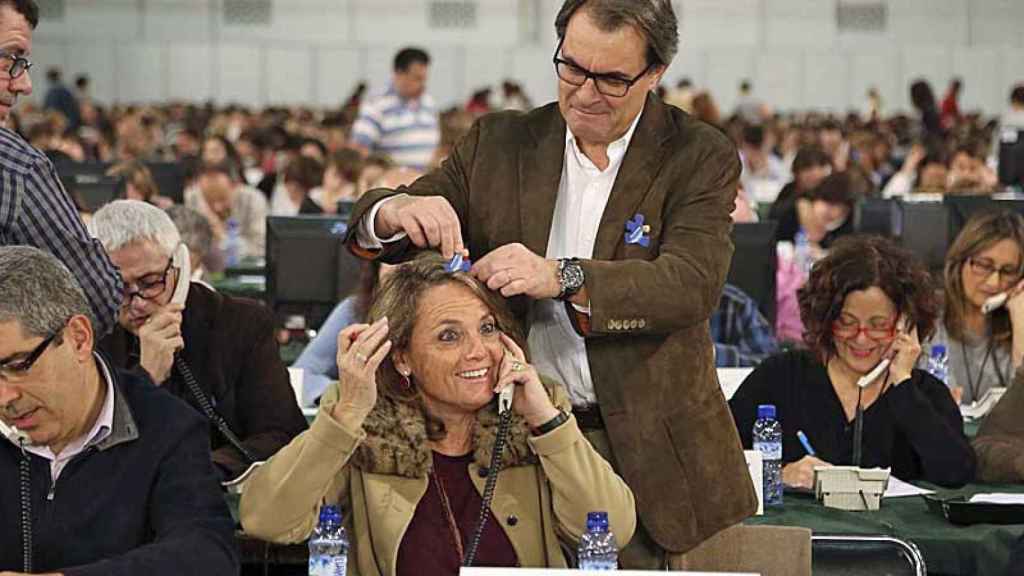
x=504, y=399
x=183, y=264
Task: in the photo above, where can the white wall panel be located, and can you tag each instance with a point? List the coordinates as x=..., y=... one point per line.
x=982, y=89
x=338, y=71
x=877, y=66
x=714, y=22
x=98, y=59
x=485, y=66
x=177, y=20
x=928, y=20
x=726, y=68
x=996, y=22
x=117, y=20
x=241, y=74
x=189, y=70
x=1012, y=67
x=826, y=82
x=533, y=69
x=799, y=22
x=928, y=62
x=141, y=72
x=289, y=78
x=779, y=78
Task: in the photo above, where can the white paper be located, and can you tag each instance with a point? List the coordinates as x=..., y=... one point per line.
x=731, y=378
x=998, y=498
x=898, y=488
x=755, y=465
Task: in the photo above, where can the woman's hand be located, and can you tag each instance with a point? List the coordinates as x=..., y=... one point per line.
x=531, y=399
x=361, y=349
x=906, y=348
x=1015, y=303
x=800, y=474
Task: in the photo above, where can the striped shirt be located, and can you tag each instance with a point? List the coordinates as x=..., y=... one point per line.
x=742, y=335
x=406, y=130
x=36, y=211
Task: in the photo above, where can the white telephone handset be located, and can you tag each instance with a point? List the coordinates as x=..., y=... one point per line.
x=994, y=303
x=183, y=263
x=881, y=367
x=13, y=434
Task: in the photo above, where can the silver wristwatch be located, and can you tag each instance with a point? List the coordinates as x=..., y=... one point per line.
x=570, y=277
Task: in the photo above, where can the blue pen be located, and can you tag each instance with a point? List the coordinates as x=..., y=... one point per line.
x=806, y=443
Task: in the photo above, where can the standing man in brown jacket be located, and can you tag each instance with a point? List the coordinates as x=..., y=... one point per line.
x=1000, y=440
x=607, y=216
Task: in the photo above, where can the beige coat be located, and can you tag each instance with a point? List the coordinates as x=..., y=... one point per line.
x=379, y=473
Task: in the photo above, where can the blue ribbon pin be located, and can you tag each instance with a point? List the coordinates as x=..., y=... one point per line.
x=458, y=264
x=637, y=232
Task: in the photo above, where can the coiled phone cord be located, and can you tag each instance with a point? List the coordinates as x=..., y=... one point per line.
x=25, y=487
x=492, y=479
x=207, y=407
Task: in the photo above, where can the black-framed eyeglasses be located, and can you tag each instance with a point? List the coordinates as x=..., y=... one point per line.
x=19, y=64
x=14, y=370
x=612, y=85
x=147, y=290
x=983, y=268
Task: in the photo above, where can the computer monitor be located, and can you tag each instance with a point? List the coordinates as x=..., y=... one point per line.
x=926, y=233
x=89, y=183
x=962, y=208
x=754, y=264
x=169, y=179
x=881, y=216
x=309, y=270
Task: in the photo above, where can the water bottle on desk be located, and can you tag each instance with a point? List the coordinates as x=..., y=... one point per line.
x=938, y=363
x=768, y=441
x=328, y=546
x=597, y=550
x=233, y=243
x=802, y=252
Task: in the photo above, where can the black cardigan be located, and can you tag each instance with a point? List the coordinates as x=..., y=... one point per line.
x=915, y=427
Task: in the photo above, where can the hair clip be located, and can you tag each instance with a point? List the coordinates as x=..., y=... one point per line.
x=458, y=264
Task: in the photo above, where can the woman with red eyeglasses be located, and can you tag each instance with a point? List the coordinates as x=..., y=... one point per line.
x=866, y=301
x=984, y=349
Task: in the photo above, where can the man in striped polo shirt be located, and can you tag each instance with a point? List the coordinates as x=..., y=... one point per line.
x=403, y=122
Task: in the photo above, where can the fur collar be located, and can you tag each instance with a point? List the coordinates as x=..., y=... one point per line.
x=396, y=441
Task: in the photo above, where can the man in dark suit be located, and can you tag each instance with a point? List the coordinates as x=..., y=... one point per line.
x=227, y=344
x=607, y=215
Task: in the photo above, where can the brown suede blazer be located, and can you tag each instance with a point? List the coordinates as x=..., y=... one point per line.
x=647, y=338
x=1000, y=440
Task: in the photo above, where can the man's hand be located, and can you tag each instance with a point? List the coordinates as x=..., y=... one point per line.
x=159, y=338
x=514, y=270
x=430, y=222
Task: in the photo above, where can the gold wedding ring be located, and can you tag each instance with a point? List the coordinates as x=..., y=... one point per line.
x=517, y=366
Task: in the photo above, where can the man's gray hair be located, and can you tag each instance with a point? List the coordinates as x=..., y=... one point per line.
x=38, y=291
x=123, y=222
x=194, y=229
x=654, y=19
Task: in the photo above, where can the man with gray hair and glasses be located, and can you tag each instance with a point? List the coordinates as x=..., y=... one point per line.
x=34, y=208
x=101, y=473
x=606, y=216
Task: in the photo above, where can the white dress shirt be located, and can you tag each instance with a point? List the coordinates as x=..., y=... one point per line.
x=556, y=349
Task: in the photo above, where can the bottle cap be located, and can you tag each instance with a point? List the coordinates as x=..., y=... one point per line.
x=597, y=521
x=766, y=411
x=938, y=349
x=330, y=513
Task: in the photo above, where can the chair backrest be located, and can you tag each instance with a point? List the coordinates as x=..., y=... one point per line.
x=856, y=555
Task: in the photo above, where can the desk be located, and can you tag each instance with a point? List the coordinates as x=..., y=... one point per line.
x=947, y=549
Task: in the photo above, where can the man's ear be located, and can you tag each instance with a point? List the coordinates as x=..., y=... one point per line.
x=79, y=335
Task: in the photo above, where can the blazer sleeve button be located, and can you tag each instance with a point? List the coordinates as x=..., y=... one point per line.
x=482, y=472
x=512, y=520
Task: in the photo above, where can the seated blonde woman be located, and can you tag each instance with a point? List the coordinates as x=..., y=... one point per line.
x=404, y=441
x=1000, y=440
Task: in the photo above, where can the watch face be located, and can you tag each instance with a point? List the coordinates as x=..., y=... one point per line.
x=572, y=277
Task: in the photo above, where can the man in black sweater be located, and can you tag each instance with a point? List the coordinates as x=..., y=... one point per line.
x=101, y=473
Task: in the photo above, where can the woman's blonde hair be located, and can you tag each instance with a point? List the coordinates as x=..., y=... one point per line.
x=979, y=234
x=398, y=298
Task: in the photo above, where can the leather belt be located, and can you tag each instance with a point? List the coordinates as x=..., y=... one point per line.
x=588, y=417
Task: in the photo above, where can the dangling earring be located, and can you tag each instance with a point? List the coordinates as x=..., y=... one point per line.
x=406, y=382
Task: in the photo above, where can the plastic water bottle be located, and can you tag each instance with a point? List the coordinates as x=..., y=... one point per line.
x=328, y=547
x=768, y=441
x=233, y=243
x=802, y=252
x=938, y=363
x=597, y=550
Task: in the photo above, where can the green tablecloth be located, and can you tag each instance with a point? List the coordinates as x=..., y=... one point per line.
x=245, y=286
x=947, y=549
